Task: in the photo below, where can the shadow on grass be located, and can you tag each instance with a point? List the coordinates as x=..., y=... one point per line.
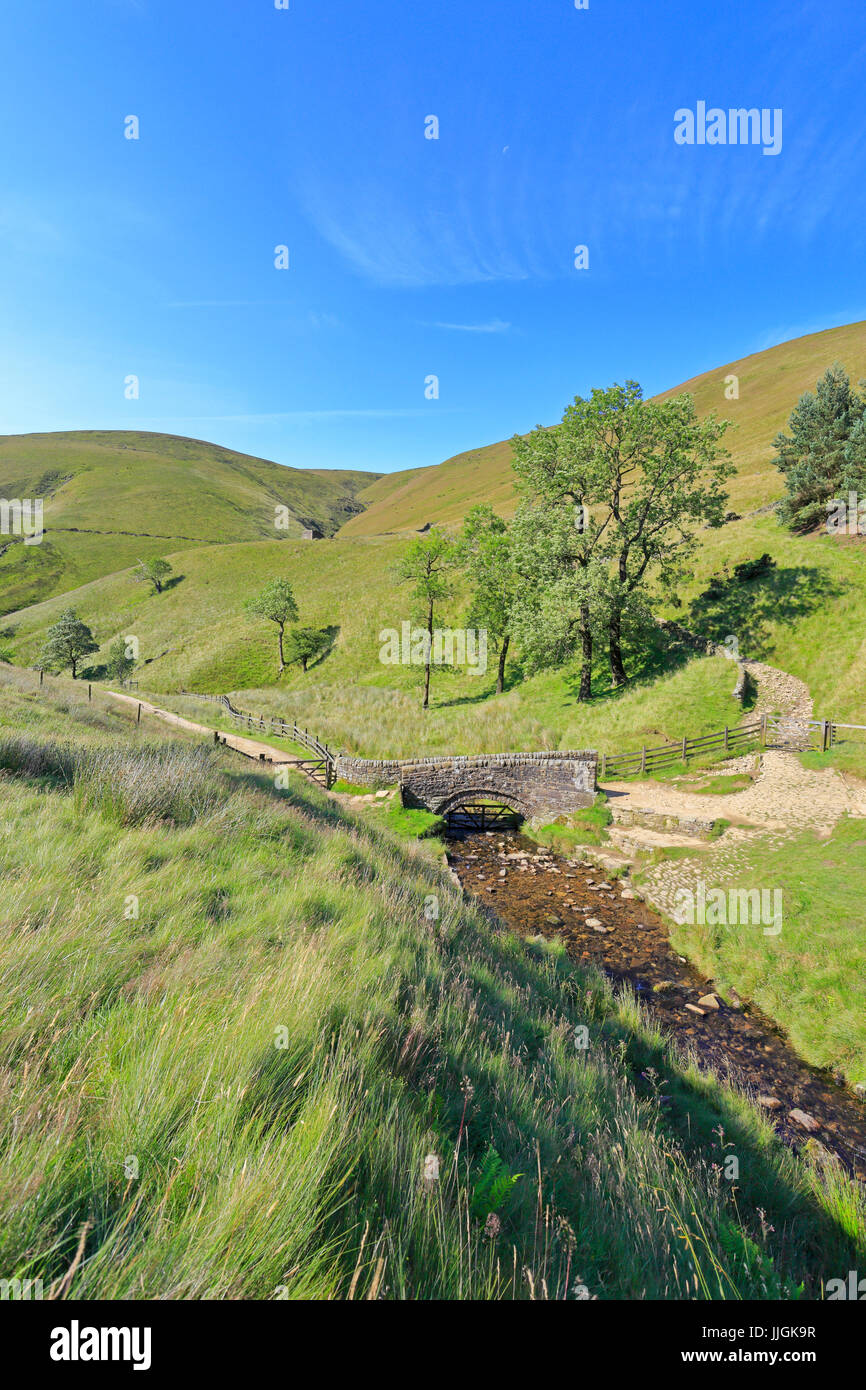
x=749, y=608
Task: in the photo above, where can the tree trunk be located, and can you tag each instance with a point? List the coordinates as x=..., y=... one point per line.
x=74, y=664
x=617, y=669
x=426, y=703
x=282, y=658
x=503, y=652
x=303, y=663
x=585, y=691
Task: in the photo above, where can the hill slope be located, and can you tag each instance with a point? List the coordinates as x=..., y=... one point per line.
x=112, y=497
x=279, y=1038
x=770, y=384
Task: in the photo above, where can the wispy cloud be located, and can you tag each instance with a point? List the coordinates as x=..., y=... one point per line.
x=494, y=326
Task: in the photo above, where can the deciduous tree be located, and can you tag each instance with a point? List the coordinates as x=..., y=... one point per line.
x=428, y=564
x=276, y=603
x=66, y=643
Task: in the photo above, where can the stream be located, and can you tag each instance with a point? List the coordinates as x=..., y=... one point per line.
x=538, y=893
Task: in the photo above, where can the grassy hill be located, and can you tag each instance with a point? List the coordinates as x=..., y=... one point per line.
x=197, y=636
x=770, y=383
x=233, y=1090
x=113, y=497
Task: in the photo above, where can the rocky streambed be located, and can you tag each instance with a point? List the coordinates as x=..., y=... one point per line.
x=602, y=921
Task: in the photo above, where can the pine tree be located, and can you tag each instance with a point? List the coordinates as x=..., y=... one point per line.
x=824, y=452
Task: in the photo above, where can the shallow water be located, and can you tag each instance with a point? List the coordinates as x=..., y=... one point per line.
x=740, y=1042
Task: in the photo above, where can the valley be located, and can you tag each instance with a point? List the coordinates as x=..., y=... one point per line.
x=495, y=995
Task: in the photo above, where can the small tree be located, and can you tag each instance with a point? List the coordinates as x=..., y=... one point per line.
x=66, y=643
x=153, y=572
x=304, y=645
x=119, y=666
x=276, y=603
x=427, y=564
x=487, y=553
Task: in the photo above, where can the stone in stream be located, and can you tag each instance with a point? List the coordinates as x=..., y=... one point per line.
x=770, y=1102
x=805, y=1121
x=709, y=1001
x=693, y=1009
x=552, y=920
x=860, y=1090
x=664, y=985
x=627, y=893
x=593, y=922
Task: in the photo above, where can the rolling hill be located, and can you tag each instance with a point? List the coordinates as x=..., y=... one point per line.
x=770, y=383
x=178, y=497
x=113, y=497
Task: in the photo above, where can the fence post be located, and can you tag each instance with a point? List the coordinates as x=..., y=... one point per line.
x=763, y=730
x=604, y=764
x=643, y=759
x=726, y=738
x=138, y=716
x=685, y=749
x=89, y=691
x=825, y=735
x=41, y=675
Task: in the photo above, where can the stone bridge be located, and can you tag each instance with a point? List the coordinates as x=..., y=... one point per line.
x=537, y=785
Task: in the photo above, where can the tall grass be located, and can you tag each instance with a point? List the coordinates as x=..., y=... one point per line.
x=127, y=785
x=230, y=1046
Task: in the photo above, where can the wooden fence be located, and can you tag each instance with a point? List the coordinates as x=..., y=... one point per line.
x=768, y=730
x=781, y=731
x=321, y=767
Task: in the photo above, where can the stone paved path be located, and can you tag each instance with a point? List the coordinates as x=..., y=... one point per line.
x=784, y=796
x=784, y=799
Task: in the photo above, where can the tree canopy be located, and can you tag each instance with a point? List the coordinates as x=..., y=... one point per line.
x=823, y=455
x=66, y=643
x=620, y=488
x=276, y=603
x=153, y=572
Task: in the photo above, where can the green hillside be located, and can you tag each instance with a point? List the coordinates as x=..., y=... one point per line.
x=113, y=497
x=770, y=383
x=197, y=636
x=248, y=1071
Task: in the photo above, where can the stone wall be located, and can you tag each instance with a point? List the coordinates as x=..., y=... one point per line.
x=368, y=772
x=535, y=784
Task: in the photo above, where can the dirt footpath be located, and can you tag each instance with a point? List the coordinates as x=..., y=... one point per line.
x=250, y=746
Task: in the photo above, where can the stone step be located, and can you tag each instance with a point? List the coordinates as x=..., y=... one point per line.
x=639, y=839
x=666, y=822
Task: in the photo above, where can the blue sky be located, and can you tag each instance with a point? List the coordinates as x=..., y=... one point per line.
x=409, y=257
